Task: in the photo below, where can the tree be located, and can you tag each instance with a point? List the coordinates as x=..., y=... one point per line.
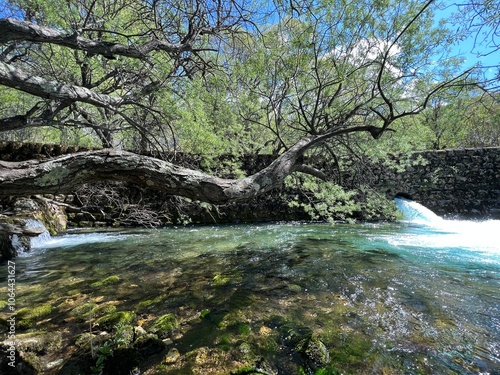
x=321, y=74
x=468, y=120
x=99, y=65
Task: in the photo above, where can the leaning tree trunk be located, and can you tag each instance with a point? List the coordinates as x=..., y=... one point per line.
x=66, y=173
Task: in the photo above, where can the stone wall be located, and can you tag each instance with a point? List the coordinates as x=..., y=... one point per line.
x=452, y=183
x=464, y=183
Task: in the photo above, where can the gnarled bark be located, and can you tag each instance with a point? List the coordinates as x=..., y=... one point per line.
x=11, y=76
x=65, y=174
x=16, y=30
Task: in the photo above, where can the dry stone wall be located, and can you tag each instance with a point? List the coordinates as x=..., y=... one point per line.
x=462, y=183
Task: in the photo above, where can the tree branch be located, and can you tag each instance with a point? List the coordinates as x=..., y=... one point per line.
x=15, y=30
x=66, y=173
x=43, y=88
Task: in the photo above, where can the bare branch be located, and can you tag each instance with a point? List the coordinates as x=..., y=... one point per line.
x=15, y=30
x=11, y=76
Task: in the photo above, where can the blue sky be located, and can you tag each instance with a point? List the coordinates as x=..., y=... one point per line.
x=475, y=49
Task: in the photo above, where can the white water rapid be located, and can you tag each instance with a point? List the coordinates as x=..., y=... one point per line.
x=415, y=212
x=42, y=238
x=438, y=233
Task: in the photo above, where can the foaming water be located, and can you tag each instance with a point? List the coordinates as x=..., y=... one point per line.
x=42, y=238
x=415, y=212
x=45, y=241
x=426, y=230
x=480, y=236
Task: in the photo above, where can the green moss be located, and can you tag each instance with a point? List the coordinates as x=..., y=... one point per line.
x=247, y=370
x=354, y=352
x=103, y=310
x=108, y=321
x=244, y=329
x=53, y=177
x=220, y=280
x=165, y=325
x=150, y=303
x=92, y=310
x=314, y=351
x=111, y=280
x=328, y=371
x=86, y=340
x=27, y=317
x=83, y=312
x=224, y=342
x=270, y=345
x=3, y=304
x=204, y=313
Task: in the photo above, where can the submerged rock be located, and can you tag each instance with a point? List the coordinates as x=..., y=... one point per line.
x=111, y=280
x=314, y=352
x=109, y=321
x=28, y=317
x=172, y=356
x=164, y=325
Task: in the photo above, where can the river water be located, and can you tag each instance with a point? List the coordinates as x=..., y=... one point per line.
x=387, y=298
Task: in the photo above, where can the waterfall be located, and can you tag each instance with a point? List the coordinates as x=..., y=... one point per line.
x=17, y=245
x=415, y=212
x=37, y=241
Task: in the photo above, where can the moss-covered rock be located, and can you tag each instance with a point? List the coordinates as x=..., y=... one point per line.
x=109, y=321
x=149, y=304
x=314, y=352
x=90, y=310
x=83, y=312
x=28, y=317
x=39, y=342
x=165, y=325
x=89, y=341
x=172, y=356
x=220, y=280
x=111, y=280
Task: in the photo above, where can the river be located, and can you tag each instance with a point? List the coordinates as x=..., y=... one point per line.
x=386, y=298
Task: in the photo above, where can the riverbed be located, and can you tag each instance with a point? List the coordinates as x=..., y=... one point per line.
x=273, y=298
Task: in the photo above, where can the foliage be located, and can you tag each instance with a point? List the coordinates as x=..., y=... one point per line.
x=470, y=120
x=103, y=353
x=325, y=200
x=358, y=79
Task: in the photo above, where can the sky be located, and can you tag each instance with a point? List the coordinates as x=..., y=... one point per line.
x=475, y=49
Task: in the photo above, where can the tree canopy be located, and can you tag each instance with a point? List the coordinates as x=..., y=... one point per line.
x=230, y=76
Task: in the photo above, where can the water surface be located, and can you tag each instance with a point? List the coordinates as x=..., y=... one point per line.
x=400, y=298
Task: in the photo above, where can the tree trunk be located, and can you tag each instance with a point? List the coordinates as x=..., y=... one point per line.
x=66, y=173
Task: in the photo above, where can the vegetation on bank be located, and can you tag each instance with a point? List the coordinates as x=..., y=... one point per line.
x=335, y=82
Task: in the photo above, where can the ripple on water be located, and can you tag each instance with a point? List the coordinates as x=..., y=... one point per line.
x=400, y=297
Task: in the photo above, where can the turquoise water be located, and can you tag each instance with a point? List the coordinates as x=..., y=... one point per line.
x=391, y=298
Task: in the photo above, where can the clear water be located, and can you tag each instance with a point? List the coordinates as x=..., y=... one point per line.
x=401, y=298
